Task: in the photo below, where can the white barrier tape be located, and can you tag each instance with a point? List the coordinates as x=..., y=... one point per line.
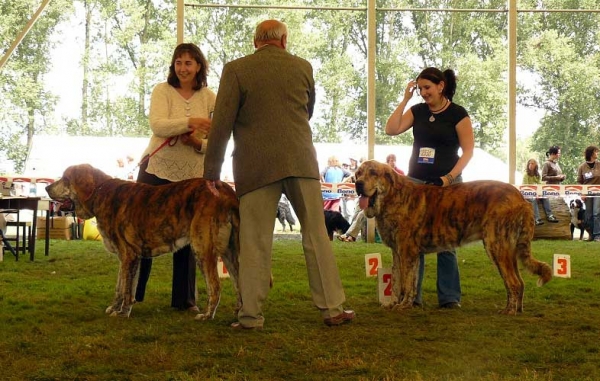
x=347, y=189
x=578, y=190
x=528, y=191
x=31, y=180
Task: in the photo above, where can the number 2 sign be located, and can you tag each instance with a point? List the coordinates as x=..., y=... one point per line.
x=223, y=273
x=372, y=263
x=562, y=265
x=384, y=285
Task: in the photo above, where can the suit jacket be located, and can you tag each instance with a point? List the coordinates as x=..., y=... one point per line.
x=266, y=100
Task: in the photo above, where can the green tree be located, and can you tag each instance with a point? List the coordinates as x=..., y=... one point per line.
x=25, y=101
x=127, y=46
x=223, y=34
x=135, y=36
x=563, y=53
x=341, y=75
x=474, y=45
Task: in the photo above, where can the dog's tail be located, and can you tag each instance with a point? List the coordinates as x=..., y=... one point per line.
x=524, y=251
x=537, y=267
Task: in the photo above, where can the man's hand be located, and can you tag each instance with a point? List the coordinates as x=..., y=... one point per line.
x=199, y=125
x=192, y=139
x=212, y=187
x=438, y=181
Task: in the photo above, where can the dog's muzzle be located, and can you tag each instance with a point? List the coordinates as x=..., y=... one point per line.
x=360, y=188
x=364, y=201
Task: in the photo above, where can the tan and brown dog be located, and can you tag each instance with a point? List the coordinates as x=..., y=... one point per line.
x=414, y=219
x=139, y=220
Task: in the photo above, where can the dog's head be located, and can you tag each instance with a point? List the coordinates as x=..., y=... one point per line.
x=78, y=184
x=374, y=181
x=576, y=203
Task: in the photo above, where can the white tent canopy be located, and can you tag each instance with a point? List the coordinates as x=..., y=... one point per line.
x=51, y=155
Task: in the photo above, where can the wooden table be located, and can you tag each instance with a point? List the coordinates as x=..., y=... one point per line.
x=35, y=204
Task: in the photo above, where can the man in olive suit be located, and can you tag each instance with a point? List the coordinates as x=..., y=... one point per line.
x=266, y=100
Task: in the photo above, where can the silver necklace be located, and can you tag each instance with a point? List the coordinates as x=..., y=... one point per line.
x=432, y=118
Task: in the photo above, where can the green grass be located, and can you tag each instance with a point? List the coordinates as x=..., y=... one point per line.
x=53, y=326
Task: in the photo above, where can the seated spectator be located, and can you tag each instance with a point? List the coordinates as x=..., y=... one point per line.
x=359, y=219
x=391, y=161
x=589, y=173
x=347, y=204
x=552, y=174
x=333, y=173
x=126, y=168
x=532, y=176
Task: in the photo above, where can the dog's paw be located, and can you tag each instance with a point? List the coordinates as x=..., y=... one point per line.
x=123, y=312
x=402, y=306
x=397, y=308
x=120, y=314
x=508, y=311
x=202, y=317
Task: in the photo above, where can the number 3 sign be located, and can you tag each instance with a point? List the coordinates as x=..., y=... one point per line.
x=562, y=265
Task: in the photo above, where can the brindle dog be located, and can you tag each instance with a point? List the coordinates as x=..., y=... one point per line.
x=414, y=219
x=138, y=220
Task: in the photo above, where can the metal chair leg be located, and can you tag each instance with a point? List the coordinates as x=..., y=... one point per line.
x=7, y=244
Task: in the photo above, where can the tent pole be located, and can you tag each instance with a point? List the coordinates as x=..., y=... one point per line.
x=21, y=36
x=180, y=21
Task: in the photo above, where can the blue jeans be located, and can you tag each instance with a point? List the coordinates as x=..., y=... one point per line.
x=592, y=215
x=536, y=209
x=448, y=277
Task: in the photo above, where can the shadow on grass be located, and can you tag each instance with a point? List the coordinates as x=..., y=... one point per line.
x=54, y=326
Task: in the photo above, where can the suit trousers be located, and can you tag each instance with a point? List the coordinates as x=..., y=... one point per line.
x=257, y=223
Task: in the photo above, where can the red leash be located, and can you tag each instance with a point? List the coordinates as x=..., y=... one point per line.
x=147, y=157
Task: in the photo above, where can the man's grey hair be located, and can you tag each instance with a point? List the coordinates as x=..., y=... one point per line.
x=272, y=33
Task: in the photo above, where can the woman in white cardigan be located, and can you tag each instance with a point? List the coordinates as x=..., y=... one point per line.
x=180, y=112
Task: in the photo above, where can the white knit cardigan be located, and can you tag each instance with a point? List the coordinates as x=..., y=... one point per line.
x=169, y=115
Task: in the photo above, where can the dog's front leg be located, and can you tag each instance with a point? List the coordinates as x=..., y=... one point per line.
x=115, y=307
x=409, y=271
x=130, y=263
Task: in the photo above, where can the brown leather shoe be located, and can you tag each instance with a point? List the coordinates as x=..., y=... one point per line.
x=238, y=326
x=345, y=317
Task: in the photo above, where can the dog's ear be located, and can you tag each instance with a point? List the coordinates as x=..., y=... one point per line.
x=84, y=179
x=394, y=179
x=390, y=179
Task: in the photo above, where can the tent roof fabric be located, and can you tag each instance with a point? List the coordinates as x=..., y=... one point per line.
x=51, y=155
